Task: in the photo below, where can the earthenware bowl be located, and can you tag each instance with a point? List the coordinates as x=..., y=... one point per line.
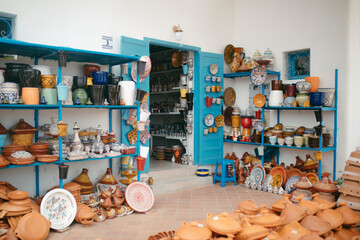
x=48, y=81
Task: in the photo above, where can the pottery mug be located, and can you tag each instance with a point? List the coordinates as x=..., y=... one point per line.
x=212, y=88
x=218, y=79
x=218, y=101
x=213, y=78
x=206, y=131
x=211, y=130
x=213, y=100
x=218, y=88
x=207, y=89
x=207, y=78
x=272, y=140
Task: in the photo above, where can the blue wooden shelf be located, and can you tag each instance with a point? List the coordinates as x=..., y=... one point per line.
x=96, y=159
x=30, y=107
x=101, y=106
x=246, y=143
x=324, y=149
x=244, y=74
x=301, y=108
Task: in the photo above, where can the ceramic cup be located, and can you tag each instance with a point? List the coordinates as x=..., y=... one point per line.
x=211, y=130
x=207, y=89
x=50, y=95
x=272, y=140
x=218, y=101
x=218, y=79
x=30, y=95
x=289, y=141
x=213, y=78
x=218, y=88
x=207, y=78
x=281, y=141
x=206, y=131
x=299, y=141
x=212, y=88
x=214, y=100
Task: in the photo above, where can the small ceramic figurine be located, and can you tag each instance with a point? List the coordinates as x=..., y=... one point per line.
x=151, y=181
x=122, y=103
x=21, y=101
x=275, y=190
x=43, y=101
x=89, y=102
x=77, y=102
x=106, y=103
x=247, y=183
x=270, y=189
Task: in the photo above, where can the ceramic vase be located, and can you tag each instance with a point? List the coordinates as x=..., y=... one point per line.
x=9, y=90
x=53, y=130
x=96, y=94
x=301, y=98
x=30, y=95
x=50, y=95
x=68, y=81
x=314, y=81
x=112, y=94
x=81, y=94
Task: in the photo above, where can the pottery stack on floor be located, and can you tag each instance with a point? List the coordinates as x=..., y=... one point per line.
x=350, y=188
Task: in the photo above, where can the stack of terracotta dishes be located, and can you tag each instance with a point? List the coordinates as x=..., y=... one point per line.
x=350, y=188
x=84, y=181
x=18, y=205
x=21, y=158
x=23, y=133
x=39, y=148
x=74, y=189
x=6, y=151
x=325, y=188
x=3, y=162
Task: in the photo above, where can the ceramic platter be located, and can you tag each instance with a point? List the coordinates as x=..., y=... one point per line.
x=214, y=69
x=267, y=180
x=209, y=120
x=59, y=207
x=228, y=53
x=139, y=196
x=291, y=181
x=147, y=69
x=258, y=75
x=227, y=116
x=229, y=96
x=258, y=174
x=219, y=121
x=279, y=170
x=259, y=100
x=259, y=126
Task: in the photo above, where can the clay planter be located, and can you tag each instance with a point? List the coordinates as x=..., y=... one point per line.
x=223, y=224
x=350, y=217
x=30, y=95
x=333, y=217
x=316, y=225
x=193, y=230
x=292, y=212
x=325, y=184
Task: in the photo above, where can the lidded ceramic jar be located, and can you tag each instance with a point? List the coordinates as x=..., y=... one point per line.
x=108, y=178
x=10, y=91
x=235, y=117
x=257, y=55
x=269, y=56
x=325, y=185
x=193, y=230
x=23, y=133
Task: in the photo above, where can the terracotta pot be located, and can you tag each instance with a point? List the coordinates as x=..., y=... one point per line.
x=33, y=226
x=107, y=204
x=30, y=95
x=314, y=81
x=118, y=201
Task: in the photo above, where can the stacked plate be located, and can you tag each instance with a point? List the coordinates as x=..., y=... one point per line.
x=39, y=148
x=74, y=189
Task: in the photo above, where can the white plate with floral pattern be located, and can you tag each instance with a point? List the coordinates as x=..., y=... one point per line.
x=59, y=207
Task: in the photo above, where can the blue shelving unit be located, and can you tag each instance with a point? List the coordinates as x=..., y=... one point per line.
x=279, y=109
x=37, y=51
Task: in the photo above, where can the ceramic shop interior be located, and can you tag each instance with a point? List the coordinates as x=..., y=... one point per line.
x=240, y=115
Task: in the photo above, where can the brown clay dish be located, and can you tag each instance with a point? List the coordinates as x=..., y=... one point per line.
x=292, y=212
x=18, y=195
x=46, y=158
x=316, y=224
x=193, y=230
x=222, y=224
x=350, y=217
x=33, y=226
x=333, y=217
x=39, y=146
x=293, y=230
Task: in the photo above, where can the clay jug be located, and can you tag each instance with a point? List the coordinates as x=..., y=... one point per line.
x=108, y=178
x=236, y=63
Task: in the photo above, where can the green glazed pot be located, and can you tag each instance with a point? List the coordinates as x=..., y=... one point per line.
x=81, y=94
x=50, y=95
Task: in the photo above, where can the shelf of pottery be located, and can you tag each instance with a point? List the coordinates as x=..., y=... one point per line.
x=171, y=105
x=96, y=89
x=304, y=95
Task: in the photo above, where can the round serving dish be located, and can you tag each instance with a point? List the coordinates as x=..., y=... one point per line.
x=202, y=172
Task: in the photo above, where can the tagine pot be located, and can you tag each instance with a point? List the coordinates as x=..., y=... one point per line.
x=193, y=230
x=351, y=218
x=223, y=224
x=333, y=217
x=325, y=185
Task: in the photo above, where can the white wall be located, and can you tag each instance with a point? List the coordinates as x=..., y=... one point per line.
x=284, y=25
x=80, y=24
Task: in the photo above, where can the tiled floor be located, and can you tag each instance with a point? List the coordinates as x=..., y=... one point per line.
x=168, y=213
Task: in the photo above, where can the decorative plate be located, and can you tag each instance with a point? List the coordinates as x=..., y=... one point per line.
x=132, y=136
x=214, y=69
x=229, y=96
x=312, y=177
x=227, y=116
x=147, y=69
x=259, y=100
x=267, y=180
x=291, y=181
x=280, y=170
x=228, y=53
x=293, y=172
x=209, y=120
x=277, y=180
x=258, y=174
x=144, y=136
x=258, y=75
x=219, y=121
x=59, y=207
x=259, y=126
x=176, y=59
x=139, y=197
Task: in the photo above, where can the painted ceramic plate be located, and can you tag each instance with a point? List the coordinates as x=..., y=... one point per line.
x=258, y=173
x=219, y=121
x=176, y=59
x=214, y=69
x=227, y=116
x=279, y=170
x=147, y=69
x=228, y=53
x=312, y=177
x=292, y=180
x=293, y=172
x=209, y=120
x=259, y=126
x=267, y=180
x=258, y=75
x=59, y=207
x=277, y=180
x=139, y=197
x=229, y=96
x=259, y=100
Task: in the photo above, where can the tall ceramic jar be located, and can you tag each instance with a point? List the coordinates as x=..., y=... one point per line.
x=68, y=81
x=9, y=90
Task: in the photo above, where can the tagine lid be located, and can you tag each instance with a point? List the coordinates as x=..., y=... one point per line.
x=267, y=219
x=193, y=230
x=250, y=231
x=350, y=217
x=248, y=205
x=83, y=178
x=293, y=230
x=223, y=223
x=33, y=226
x=108, y=178
x=310, y=206
x=325, y=185
x=292, y=212
x=17, y=195
x=311, y=236
x=303, y=182
x=3, y=130
x=22, y=126
x=335, y=218
x=323, y=203
x=13, y=146
x=315, y=224
x=279, y=205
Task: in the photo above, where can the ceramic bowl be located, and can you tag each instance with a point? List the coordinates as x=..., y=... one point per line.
x=317, y=99
x=272, y=140
x=289, y=141
x=299, y=141
x=303, y=87
x=202, y=172
x=48, y=81
x=281, y=141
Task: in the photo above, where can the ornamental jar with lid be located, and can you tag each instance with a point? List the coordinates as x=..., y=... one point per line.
x=257, y=55
x=269, y=56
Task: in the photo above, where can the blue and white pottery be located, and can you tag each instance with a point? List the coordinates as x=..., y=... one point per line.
x=9, y=90
x=303, y=87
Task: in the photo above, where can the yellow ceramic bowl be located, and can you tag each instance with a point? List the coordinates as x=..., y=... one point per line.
x=48, y=81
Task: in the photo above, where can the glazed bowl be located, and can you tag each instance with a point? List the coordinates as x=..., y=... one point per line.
x=48, y=81
x=202, y=172
x=12, y=71
x=29, y=77
x=289, y=141
x=303, y=87
x=88, y=68
x=317, y=99
x=299, y=141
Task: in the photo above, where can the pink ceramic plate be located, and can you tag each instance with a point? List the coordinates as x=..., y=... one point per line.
x=139, y=196
x=147, y=69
